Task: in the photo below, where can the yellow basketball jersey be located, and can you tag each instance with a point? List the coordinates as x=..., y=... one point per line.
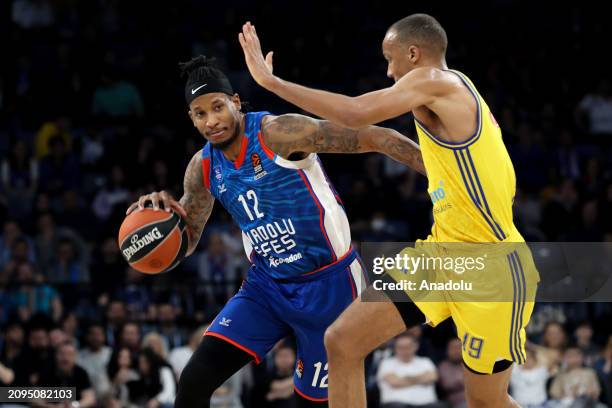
x=472, y=183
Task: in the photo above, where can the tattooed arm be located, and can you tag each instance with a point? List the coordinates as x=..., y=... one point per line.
x=195, y=206
x=197, y=201
x=297, y=135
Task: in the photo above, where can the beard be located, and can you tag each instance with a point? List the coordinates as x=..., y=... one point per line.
x=227, y=143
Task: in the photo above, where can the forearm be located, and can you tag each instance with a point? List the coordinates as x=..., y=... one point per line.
x=338, y=108
x=425, y=378
x=197, y=202
x=197, y=217
x=395, y=145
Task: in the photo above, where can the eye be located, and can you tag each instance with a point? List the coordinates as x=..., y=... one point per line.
x=218, y=108
x=199, y=114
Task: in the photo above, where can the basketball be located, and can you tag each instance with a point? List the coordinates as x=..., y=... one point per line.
x=153, y=241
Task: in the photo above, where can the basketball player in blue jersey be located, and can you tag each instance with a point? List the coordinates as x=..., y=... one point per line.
x=265, y=171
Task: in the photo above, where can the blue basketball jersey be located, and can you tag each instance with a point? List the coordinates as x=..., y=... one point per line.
x=292, y=220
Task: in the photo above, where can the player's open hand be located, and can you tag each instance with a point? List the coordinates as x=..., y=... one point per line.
x=157, y=198
x=260, y=68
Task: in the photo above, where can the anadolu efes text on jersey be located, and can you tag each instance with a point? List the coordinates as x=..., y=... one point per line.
x=292, y=220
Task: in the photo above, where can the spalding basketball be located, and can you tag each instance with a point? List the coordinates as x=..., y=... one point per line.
x=153, y=241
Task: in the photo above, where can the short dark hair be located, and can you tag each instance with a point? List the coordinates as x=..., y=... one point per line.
x=423, y=30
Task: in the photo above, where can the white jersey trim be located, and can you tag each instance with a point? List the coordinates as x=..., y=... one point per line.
x=335, y=223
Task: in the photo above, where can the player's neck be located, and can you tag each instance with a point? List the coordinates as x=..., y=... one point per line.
x=232, y=151
x=440, y=64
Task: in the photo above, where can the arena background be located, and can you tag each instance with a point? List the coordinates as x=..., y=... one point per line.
x=92, y=115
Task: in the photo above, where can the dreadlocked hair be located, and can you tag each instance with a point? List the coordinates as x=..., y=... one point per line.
x=200, y=68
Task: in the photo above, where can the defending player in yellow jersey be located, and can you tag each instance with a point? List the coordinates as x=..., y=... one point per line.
x=472, y=185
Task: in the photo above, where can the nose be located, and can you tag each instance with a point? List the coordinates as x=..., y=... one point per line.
x=389, y=71
x=212, y=121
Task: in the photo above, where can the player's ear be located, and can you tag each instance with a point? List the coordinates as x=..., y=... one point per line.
x=414, y=54
x=235, y=98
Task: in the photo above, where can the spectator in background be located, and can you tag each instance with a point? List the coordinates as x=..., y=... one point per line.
x=407, y=380
x=596, y=109
x=179, y=356
x=75, y=215
x=59, y=171
x=48, y=239
x=603, y=367
x=19, y=176
x=35, y=358
x=116, y=317
x=121, y=370
x=554, y=341
x=12, y=234
x=218, y=269
x=113, y=194
x=69, y=267
x=107, y=271
x=451, y=375
x=155, y=342
x=70, y=326
x=32, y=295
x=130, y=337
x=173, y=336
x=116, y=98
x=12, y=348
x=66, y=373
x=584, y=341
x=156, y=386
x=94, y=359
x=575, y=384
x=528, y=382
x=59, y=127
x=57, y=337
x=279, y=392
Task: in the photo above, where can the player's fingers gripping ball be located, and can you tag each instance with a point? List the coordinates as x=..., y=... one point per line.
x=153, y=241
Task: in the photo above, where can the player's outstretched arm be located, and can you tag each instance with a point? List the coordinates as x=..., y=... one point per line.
x=420, y=87
x=292, y=133
x=194, y=207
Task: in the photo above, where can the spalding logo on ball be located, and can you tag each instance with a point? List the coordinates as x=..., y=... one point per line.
x=153, y=241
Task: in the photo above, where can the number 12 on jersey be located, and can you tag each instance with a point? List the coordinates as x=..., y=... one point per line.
x=251, y=196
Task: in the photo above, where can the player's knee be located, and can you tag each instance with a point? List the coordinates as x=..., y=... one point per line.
x=333, y=340
x=339, y=344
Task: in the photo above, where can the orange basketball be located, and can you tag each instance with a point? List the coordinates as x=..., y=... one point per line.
x=153, y=241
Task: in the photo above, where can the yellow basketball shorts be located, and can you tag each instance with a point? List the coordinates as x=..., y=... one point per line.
x=490, y=306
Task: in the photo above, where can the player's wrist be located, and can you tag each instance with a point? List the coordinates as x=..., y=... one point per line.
x=271, y=83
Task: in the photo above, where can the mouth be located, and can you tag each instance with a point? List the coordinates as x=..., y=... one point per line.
x=216, y=134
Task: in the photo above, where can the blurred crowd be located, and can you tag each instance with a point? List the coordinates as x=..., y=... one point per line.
x=92, y=116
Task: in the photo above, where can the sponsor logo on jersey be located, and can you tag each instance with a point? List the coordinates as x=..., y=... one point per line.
x=299, y=368
x=219, y=177
x=438, y=196
x=258, y=166
x=272, y=238
x=275, y=262
x=139, y=243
